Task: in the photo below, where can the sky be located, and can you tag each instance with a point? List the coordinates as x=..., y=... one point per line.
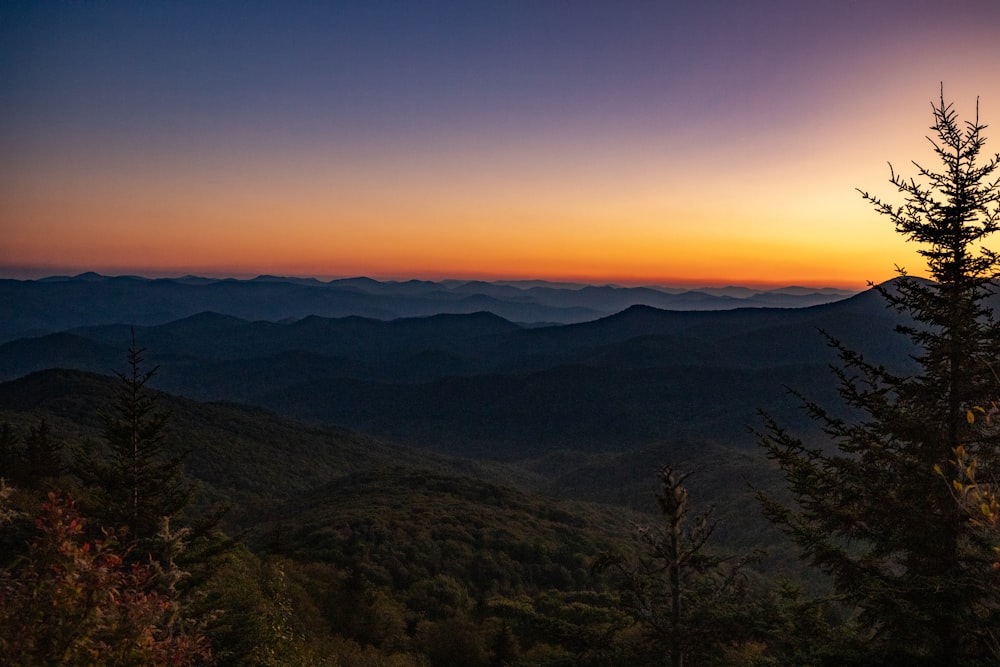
x=628, y=142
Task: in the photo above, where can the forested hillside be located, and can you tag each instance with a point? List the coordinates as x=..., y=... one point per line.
x=354, y=551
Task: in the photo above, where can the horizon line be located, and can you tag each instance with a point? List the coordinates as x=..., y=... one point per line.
x=31, y=273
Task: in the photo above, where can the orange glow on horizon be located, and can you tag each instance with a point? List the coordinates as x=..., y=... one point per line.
x=519, y=153
x=646, y=225
x=602, y=210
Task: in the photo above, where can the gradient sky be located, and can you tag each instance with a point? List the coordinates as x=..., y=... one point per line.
x=635, y=142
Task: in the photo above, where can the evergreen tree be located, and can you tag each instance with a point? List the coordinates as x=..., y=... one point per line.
x=687, y=599
x=137, y=485
x=870, y=510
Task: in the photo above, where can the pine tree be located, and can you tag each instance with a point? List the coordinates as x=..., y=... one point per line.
x=686, y=597
x=137, y=484
x=870, y=510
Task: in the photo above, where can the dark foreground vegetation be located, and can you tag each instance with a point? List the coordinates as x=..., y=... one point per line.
x=334, y=548
x=138, y=527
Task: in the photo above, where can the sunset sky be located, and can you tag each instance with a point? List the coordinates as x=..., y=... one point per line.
x=702, y=143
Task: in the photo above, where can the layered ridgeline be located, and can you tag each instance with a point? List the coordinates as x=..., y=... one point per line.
x=369, y=551
x=480, y=385
x=33, y=307
x=538, y=448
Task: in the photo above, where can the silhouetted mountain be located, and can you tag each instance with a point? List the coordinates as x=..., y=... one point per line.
x=36, y=307
x=480, y=385
x=59, y=350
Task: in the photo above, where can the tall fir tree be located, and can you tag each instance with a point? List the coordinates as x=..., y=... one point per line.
x=688, y=599
x=137, y=484
x=870, y=510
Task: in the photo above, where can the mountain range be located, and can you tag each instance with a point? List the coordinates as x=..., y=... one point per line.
x=35, y=307
x=274, y=407
x=470, y=384
x=456, y=471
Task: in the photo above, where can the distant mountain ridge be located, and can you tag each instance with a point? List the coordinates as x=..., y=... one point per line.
x=59, y=303
x=477, y=384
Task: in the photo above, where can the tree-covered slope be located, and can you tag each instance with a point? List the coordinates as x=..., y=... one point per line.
x=381, y=554
x=249, y=456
